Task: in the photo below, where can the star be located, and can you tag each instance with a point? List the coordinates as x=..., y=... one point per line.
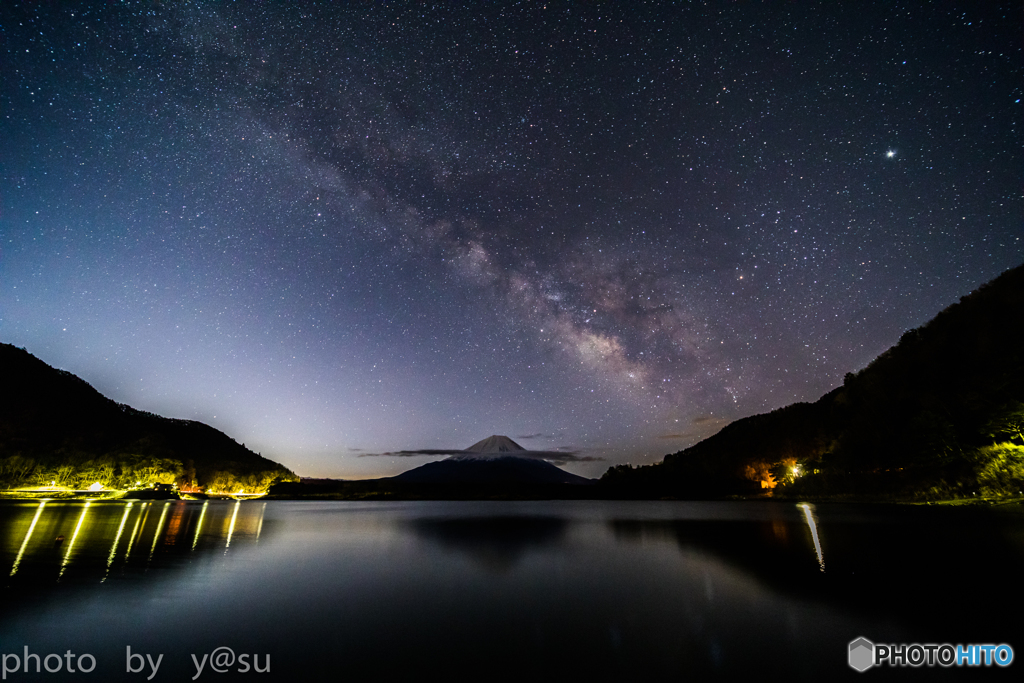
x=551, y=246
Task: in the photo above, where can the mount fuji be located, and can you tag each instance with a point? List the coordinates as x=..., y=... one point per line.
x=496, y=459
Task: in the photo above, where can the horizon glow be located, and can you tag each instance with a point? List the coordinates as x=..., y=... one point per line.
x=335, y=231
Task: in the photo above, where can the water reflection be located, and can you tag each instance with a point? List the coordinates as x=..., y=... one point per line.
x=774, y=549
x=231, y=526
x=74, y=537
x=28, y=536
x=521, y=590
x=117, y=539
x=199, y=524
x=159, y=528
x=883, y=560
x=813, y=526
x=57, y=541
x=496, y=544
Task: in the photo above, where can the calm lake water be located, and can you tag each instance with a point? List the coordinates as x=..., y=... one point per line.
x=499, y=590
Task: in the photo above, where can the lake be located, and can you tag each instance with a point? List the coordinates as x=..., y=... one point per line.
x=607, y=590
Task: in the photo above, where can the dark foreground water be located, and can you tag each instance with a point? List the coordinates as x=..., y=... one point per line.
x=498, y=590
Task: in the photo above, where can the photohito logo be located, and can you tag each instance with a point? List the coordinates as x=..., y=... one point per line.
x=862, y=654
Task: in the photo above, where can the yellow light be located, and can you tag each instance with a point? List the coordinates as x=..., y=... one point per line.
x=140, y=519
x=199, y=525
x=71, y=544
x=24, y=544
x=231, y=527
x=113, y=548
x=159, y=528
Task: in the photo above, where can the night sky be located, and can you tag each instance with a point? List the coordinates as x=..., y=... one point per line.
x=608, y=229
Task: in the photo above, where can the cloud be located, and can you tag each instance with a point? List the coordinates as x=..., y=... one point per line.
x=412, y=454
x=562, y=457
x=703, y=427
x=557, y=456
x=538, y=435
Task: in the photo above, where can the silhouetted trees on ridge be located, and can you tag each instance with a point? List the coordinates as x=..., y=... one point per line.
x=938, y=415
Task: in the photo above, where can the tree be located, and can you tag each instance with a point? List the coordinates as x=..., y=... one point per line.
x=1010, y=422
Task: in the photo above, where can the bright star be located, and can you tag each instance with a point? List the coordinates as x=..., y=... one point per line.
x=890, y=154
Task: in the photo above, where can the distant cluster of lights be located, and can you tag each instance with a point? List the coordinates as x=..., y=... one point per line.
x=97, y=486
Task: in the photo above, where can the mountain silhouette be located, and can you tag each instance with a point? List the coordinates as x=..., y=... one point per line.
x=494, y=460
x=54, y=426
x=939, y=415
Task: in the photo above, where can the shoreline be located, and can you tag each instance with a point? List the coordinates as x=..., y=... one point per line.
x=979, y=501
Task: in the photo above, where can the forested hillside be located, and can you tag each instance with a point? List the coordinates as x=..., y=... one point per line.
x=54, y=427
x=939, y=415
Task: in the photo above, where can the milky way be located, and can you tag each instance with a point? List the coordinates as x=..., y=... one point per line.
x=603, y=230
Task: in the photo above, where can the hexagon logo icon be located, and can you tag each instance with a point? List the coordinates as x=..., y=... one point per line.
x=861, y=654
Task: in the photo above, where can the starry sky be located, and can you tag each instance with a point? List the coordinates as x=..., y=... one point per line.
x=602, y=229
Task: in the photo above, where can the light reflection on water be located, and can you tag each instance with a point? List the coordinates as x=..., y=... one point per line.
x=74, y=537
x=76, y=532
x=28, y=536
x=608, y=590
x=117, y=539
x=813, y=526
